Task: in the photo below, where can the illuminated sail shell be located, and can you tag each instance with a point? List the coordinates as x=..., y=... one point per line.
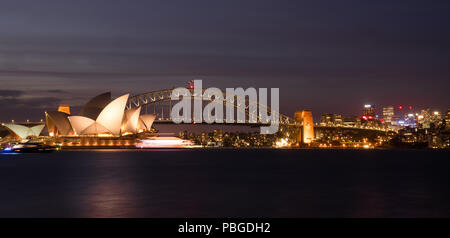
x=95, y=129
x=112, y=115
x=108, y=121
x=131, y=120
x=58, y=123
x=95, y=106
x=36, y=130
x=147, y=121
x=79, y=123
x=23, y=131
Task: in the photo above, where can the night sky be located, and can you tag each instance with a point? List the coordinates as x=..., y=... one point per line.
x=327, y=56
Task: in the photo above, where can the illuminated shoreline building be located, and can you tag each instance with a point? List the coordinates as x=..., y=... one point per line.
x=100, y=117
x=24, y=132
x=388, y=115
x=369, y=111
x=331, y=120
x=305, y=117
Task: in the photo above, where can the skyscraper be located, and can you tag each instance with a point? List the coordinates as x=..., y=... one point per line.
x=436, y=118
x=424, y=119
x=369, y=111
x=388, y=114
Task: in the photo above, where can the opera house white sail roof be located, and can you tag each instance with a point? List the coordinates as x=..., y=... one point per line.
x=146, y=121
x=58, y=123
x=100, y=116
x=108, y=121
x=80, y=123
x=95, y=106
x=24, y=132
x=131, y=120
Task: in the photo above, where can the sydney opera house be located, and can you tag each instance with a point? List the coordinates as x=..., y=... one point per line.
x=101, y=116
x=102, y=121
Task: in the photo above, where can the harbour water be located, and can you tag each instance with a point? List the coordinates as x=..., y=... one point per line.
x=226, y=183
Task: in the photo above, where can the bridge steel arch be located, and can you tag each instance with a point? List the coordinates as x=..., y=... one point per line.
x=165, y=95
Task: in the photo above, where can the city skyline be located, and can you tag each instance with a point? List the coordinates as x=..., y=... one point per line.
x=326, y=59
x=399, y=110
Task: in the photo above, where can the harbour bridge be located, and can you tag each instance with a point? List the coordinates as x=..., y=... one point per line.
x=160, y=103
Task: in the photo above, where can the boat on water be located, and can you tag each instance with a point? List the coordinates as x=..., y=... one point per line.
x=164, y=142
x=29, y=147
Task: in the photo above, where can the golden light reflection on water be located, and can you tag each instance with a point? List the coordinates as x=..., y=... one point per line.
x=109, y=199
x=111, y=191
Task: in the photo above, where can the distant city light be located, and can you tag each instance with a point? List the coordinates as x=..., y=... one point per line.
x=191, y=84
x=436, y=113
x=367, y=106
x=282, y=143
x=400, y=107
x=104, y=135
x=164, y=142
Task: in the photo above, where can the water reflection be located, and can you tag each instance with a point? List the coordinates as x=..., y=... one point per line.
x=225, y=183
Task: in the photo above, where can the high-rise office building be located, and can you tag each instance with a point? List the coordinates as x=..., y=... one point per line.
x=369, y=111
x=331, y=120
x=352, y=121
x=388, y=114
x=436, y=118
x=410, y=120
x=424, y=118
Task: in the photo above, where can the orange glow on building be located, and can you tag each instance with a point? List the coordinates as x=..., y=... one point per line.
x=64, y=108
x=306, y=119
